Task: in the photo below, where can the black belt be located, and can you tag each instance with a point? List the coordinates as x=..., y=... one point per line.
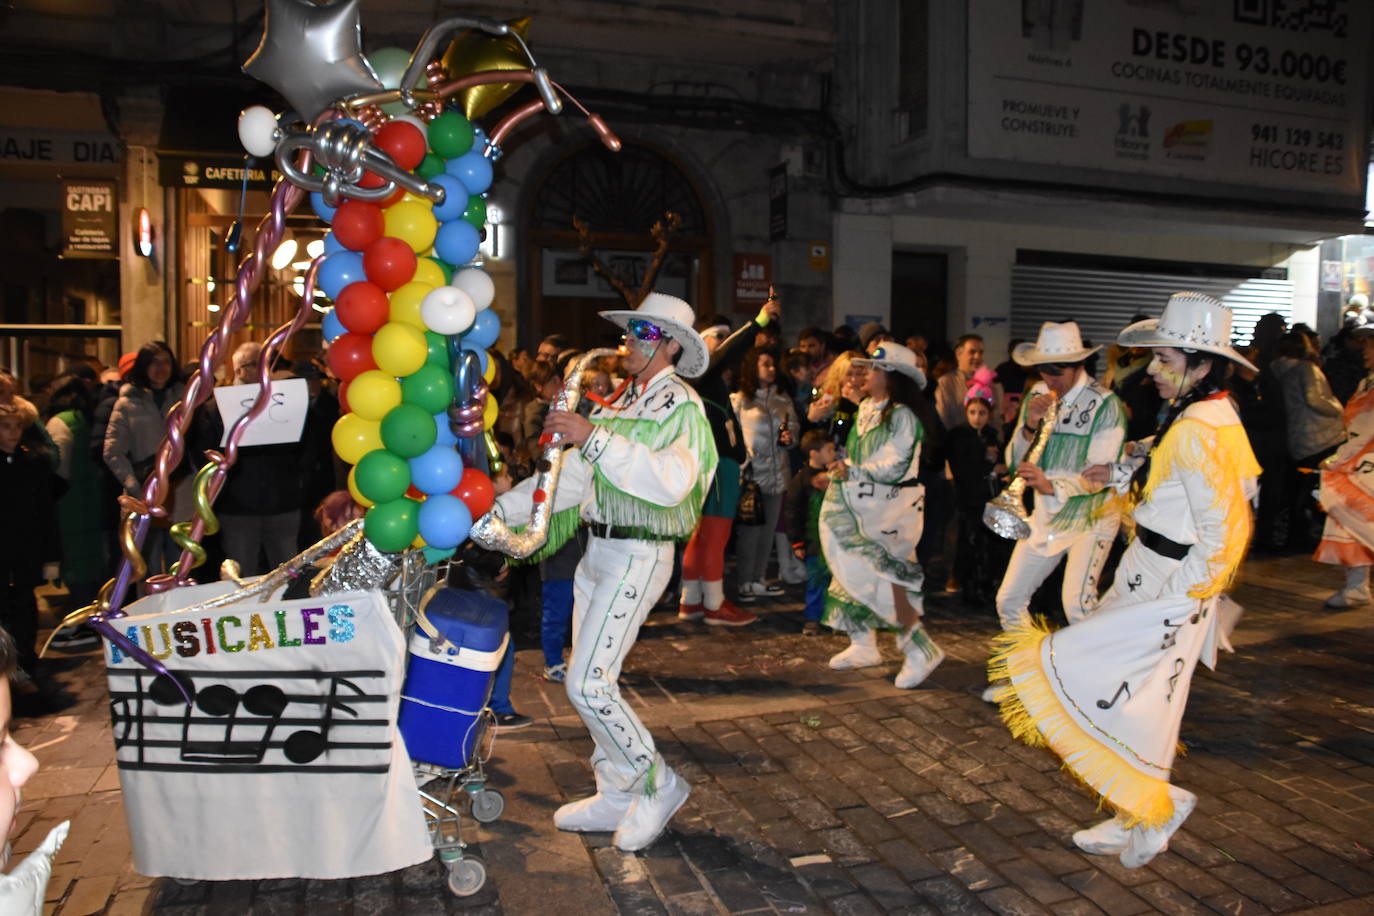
x=1160, y=544
x=625, y=532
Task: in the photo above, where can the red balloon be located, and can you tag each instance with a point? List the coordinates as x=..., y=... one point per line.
x=349, y=355
x=343, y=399
x=403, y=142
x=358, y=224
x=389, y=263
x=395, y=197
x=362, y=307
x=414, y=493
x=475, y=490
x=371, y=180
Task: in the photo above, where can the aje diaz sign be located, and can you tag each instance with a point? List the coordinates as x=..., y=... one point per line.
x=90, y=219
x=1265, y=93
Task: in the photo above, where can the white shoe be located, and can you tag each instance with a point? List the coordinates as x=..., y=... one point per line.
x=746, y=593
x=917, y=668
x=1144, y=843
x=1108, y=838
x=992, y=691
x=600, y=813
x=649, y=817
x=764, y=590
x=856, y=656
x=1344, y=598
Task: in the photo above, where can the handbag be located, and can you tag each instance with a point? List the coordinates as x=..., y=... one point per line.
x=750, y=508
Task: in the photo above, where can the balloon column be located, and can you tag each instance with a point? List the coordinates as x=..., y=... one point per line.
x=397, y=272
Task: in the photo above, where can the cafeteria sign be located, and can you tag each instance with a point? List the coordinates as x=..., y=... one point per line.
x=90, y=219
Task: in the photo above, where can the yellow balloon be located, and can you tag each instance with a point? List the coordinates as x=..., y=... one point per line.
x=419, y=542
x=474, y=51
x=426, y=271
x=410, y=197
x=372, y=393
x=489, y=413
x=405, y=302
x=489, y=373
x=357, y=495
x=412, y=223
x=399, y=349
x=354, y=437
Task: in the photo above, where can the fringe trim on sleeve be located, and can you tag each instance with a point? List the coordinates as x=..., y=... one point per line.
x=1222, y=454
x=562, y=526
x=1034, y=714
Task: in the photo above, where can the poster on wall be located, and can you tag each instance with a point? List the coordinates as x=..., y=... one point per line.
x=753, y=279
x=1268, y=93
x=90, y=219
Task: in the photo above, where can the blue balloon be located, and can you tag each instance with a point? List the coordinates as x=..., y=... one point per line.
x=455, y=197
x=472, y=169
x=339, y=270
x=444, y=521
x=484, y=330
x=446, y=438
x=331, y=327
x=482, y=356
x=332, y=245
x=457, y=242
x=322, y=209
x=437, y=470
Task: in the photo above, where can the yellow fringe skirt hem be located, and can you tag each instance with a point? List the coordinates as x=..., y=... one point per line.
x=1035, y=715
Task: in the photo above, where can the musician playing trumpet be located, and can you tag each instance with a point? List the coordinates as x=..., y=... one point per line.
x=1074, y=520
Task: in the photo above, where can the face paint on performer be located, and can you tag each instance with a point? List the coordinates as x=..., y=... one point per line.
x=1169, y=370
x=641, y=342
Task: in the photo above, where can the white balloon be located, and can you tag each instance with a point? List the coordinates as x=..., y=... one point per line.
x=258, y=130
x=447, y=310
x=478, y=284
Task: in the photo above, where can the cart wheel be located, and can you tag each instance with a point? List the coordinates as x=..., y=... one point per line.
x=466, y=876
x=487, y=805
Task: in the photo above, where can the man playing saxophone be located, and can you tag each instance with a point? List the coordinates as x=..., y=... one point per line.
x=1072, y=518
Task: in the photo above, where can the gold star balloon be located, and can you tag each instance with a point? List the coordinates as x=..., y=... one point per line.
x=474, y=51
x=311, y=54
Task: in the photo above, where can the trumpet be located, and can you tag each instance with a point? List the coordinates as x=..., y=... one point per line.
x=1006, y=512
x=493, y=533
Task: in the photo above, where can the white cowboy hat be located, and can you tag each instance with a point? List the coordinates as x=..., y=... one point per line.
x=1057, y=343
x=676, y=318
x=1191, y=321
x=893, y=357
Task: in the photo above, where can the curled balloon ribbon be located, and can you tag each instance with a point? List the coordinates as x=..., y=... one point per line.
x=491, y=531
x=181, y=532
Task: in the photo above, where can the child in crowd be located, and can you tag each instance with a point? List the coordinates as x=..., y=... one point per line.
x=556, y=591
x=805, y=493
x=973, y=462
x=479, y=576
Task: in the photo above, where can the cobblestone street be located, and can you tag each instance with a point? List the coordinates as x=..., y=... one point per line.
x=823, y=792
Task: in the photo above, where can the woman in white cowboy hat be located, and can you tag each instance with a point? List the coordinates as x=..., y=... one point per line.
x=1347, y=493
x=871, y=520
x=1073, y=521
x=1107, y=694
x=637, y=478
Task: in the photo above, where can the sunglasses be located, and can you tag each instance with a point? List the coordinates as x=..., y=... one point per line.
x=1054, y=370
x=644, y=330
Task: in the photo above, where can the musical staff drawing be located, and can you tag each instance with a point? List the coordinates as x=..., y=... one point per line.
x=236, y=721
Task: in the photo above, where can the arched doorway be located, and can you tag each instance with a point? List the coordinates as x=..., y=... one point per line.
x=620, y=196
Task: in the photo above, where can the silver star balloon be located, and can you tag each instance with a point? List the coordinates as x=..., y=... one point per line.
x=312, y=54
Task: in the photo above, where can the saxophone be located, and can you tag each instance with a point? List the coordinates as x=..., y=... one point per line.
x=492, y=532
x=1006, y=513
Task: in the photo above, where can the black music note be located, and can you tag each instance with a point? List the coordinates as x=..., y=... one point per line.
x=1171, y=637
x=267, y=702
x=865, y=490
x=1134, y=582
x=1364, y=467
x=631, y=592
x=1103, y=704
x=1173, y=679
x=304, y=746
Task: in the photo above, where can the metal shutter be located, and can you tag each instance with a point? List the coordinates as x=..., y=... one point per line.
x=1103, y=301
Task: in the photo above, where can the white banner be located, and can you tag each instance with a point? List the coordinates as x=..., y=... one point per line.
x=1268, y=93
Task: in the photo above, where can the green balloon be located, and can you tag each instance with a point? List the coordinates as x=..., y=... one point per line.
x=450, y=135
x=438, y=351
x=430, y=388
x=430, y=166
x=408, y=430
x=476, y=212
x=446, y=268
x=392, y=526
x=382, y=476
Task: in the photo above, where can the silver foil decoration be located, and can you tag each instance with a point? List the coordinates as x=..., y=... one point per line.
x=312, y=54
x=345, y=151
x=358, y=567
x=491, y=531
x=1006, y=512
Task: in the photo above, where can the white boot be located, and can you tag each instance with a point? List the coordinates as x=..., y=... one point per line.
x=1144, y=843
x=653, y=808
x=790, y=569
x=1108, y=838
x=992, y=693
x=600, y=813
x=862, y=652
x=1356, y=591
x=922, y=657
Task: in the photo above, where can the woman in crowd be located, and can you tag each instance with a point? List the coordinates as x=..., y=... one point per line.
x=768, y=425
x=871, y=521
x=1347, y=493
x=1107, y=694
x=841, y=390
x=973, y=456
x=137, y=425
x=1313, y=425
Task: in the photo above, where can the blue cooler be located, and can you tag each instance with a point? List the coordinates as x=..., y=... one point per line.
x=448, y=681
